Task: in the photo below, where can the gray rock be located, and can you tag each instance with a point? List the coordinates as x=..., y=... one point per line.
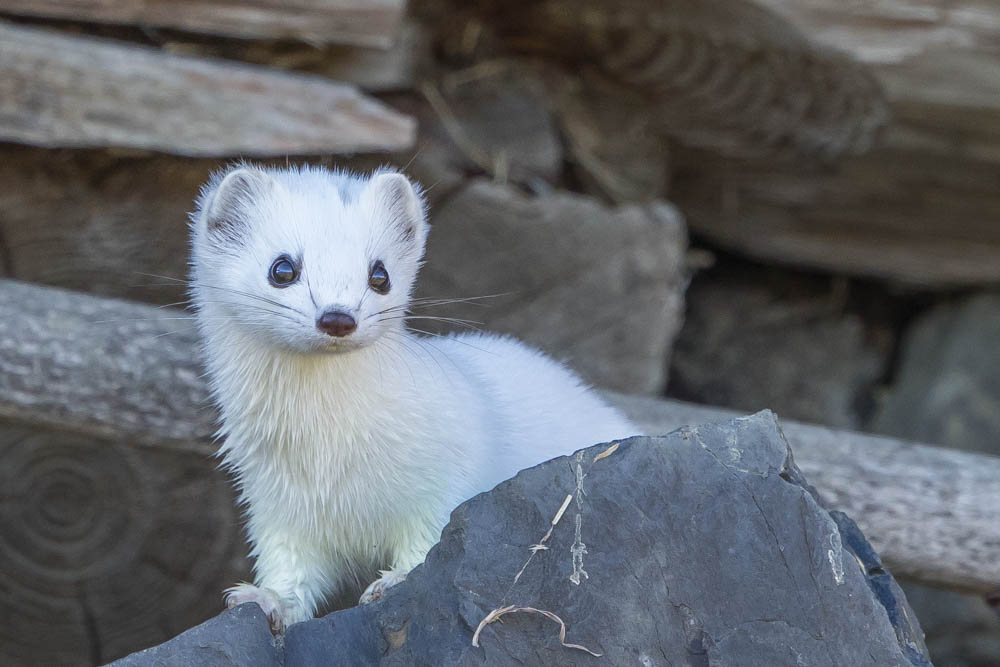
x=611, y=139
x=239, y=636
x=500, y=123
x=947, y=391
x=962, y=630
x=704, y=547
x=750, y=344
x=601, y=288
x=495, y=124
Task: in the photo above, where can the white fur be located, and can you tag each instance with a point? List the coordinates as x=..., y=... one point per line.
x=349, y=454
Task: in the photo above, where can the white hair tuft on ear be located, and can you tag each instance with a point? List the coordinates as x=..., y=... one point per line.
x=227, y=208
x=401, y=205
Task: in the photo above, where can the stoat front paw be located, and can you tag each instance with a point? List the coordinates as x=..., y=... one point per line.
x=278, y=610
x=377, y=588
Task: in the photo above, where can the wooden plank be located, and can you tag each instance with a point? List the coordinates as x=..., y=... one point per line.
x=127, y=371
x=922, y=208
x=912, y=216
x=102, y=368
x=938, y=60
x=725, y=75
x=58, y=90
x=357, y=22
x=370, y=69
x=893, y=31
x=109, y=218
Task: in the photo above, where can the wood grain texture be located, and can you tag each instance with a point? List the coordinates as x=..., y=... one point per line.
x=371, y=69
x=102, y=368
x=108, y=219
x=911, y=216
x=358, y=22
x=106, y=548
x=924, y=207
x=934, y=514
x=726, y=75
x=58, y=90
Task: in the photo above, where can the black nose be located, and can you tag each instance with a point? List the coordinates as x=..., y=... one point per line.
x=336, y=323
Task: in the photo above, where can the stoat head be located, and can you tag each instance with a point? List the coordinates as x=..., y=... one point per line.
x=306, y=258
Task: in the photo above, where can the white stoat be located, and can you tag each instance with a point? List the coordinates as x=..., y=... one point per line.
x=351, y=438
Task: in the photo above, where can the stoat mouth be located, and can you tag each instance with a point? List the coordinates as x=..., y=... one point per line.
x=339, y=346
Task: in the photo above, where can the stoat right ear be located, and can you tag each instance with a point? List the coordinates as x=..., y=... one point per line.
x=227, y=210
x=399, y=203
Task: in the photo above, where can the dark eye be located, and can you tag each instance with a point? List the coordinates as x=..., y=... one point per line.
x=283, y=272
x=379, y=278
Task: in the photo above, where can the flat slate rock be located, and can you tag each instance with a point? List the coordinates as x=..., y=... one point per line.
x=702, y=547
x=948, y=388
x=239, y=636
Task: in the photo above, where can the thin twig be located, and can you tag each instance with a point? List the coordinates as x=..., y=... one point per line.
x=455, y=130
x=512, y=609
x=541, y=543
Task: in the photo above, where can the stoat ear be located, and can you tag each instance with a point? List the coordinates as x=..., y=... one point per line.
x=400, y=205
x=228, y=208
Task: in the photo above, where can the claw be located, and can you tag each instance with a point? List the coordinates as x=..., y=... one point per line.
x=269, y=601
x=376, y=590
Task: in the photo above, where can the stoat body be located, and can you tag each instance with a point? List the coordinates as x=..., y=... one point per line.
x=350, y=438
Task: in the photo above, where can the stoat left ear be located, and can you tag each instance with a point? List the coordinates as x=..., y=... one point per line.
x=228, y=210
x=400, y=205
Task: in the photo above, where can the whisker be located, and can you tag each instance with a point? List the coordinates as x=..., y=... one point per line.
x=453, y=338
x=185, y=302
x=145, y=319
x=430, y=350
x=402, y=307
x=166, y=333
x=399, y=357
x=437, y=301
x=224, y=289
x=416, y=155
x=471, y=324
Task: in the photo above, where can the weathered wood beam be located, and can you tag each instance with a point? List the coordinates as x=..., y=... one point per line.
x=101, y=367
x=724, y=75
x=107, y=547
x=131, y=372
x=358, y=22
x=915, y=217
x=937, y=60
x=922, y=208
x=66, y=91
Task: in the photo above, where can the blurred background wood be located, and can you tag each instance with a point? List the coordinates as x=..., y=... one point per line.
x=107, y=369
x=752, y=116
x=724, y=75
x=107, y=548
x=358, y=22
x=58, y=90
x=923, y=207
